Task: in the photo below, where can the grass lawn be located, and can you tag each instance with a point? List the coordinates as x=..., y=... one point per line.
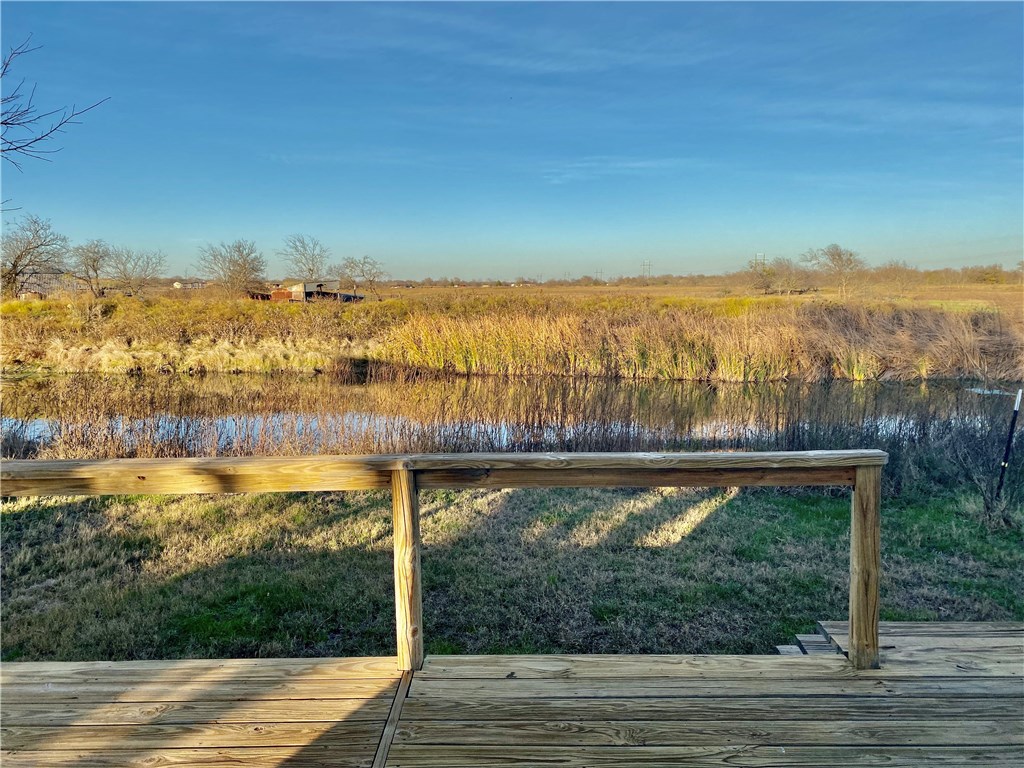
x=514, y=571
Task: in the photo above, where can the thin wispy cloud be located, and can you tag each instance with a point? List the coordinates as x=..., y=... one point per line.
x=600, y=167
x=448, y=128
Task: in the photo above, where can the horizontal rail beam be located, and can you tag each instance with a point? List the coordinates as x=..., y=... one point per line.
x=632, y=478
x=265, y=474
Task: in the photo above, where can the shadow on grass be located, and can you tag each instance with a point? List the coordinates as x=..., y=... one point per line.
x=504, y=571
x=292, y=575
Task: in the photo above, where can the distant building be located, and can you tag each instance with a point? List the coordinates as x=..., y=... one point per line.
x=329, y=290
x=39, y=285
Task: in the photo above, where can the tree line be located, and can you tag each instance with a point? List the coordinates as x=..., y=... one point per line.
x=240, y=267
x=32, y=247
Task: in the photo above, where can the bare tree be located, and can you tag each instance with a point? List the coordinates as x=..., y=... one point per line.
x=30, y=246
x=88, y=263
x=344, y=274
x=306, y=255
x=898, y=277
x=790, y=277
x=26, y=131
x=762, y=276
x=367, y=271
x=840, y=264
x=237, y=267
x=132, y=271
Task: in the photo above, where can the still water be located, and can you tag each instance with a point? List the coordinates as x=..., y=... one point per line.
x=95, y=416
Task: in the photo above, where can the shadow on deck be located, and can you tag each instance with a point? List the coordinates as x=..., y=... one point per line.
x=947, y=694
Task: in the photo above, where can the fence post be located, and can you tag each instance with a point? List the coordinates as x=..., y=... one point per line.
x=408, y=587
x=865, y=567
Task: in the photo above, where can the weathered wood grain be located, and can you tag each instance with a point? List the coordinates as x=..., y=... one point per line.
x=417, y=756
x=633, y=477
x=252, y=474
x=233, y=690
x=865, y=567
x=808, y=688
x=632, y=666
x=54, y=713
x=200, y=669
x=721, y=733
x=310, y=756
x=344, y=733
x=995, y=644
x=394, y=717
x=704, y=460
x=242, y=474
x=944, y=629
x=764, y=706
x=408, y=575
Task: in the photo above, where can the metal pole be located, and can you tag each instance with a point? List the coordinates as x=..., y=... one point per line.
x=1009, y=444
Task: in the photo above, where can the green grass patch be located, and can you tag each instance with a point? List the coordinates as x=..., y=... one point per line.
x=538, y=571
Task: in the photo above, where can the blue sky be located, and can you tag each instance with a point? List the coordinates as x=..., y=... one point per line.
x=537, y=139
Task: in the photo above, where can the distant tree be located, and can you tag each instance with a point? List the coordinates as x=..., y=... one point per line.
x=238, y=267
x=29, y=246
x=26, y=132
x=306, y=257
x=366, y=272
x=993, y=274
x=340, y=272
x=789, y=276
x=839, y=264
x=762, y=275
x=88, y=263
x=897, y=277
x=133, y=271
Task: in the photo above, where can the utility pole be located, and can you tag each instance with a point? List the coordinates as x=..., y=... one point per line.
x=645, y=268
x=600, y=275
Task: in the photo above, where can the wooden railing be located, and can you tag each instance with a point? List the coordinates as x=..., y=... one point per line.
x=405, y=475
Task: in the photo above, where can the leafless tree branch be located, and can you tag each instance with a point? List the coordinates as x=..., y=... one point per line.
x=25, y=130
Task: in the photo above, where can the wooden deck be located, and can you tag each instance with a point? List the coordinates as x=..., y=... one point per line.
x=947, y=694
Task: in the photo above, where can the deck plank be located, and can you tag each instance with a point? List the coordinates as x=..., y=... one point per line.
x=250, y=757
x=945, y=696
x=695, y=709
x=935, y=628
x=205, y=711
x=414, y=756
x=191, y=735
x=234, y=690
x=668, y=687
x=631, y=667
x=200, y=669
x=894, y=732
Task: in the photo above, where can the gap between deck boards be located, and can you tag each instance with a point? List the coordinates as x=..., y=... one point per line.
x=387, y=736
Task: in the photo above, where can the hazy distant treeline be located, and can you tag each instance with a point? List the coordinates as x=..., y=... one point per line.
x=31, y=246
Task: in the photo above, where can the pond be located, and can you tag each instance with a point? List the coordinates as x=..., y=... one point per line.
x=931, y=430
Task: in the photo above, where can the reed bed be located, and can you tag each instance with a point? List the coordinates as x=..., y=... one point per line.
x=768, y=341
x=637, y=337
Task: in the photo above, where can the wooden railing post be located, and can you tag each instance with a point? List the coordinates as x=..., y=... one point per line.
x=408, y=587
x=865, y=566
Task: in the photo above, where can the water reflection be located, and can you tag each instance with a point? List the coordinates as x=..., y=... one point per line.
x=97, y=416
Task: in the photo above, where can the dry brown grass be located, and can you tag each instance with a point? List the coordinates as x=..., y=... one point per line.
x=629, y=332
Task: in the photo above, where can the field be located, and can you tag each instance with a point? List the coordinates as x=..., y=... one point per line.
x=639, y=332
x=568, y=368
x=630, y=571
